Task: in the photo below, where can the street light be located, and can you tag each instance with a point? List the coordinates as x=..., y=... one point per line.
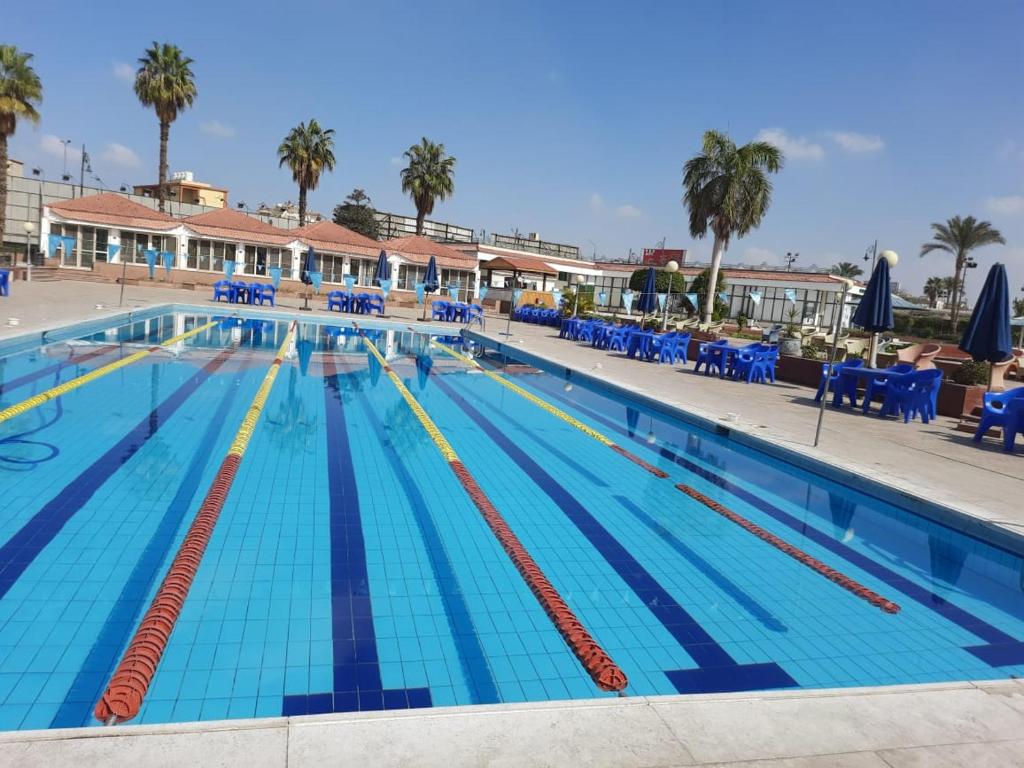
x=579, y=280
x=790, y=258
x=671, y=267
x=29, y=229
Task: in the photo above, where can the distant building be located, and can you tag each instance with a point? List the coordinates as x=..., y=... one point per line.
x=15, y=168
x=533, y=244
x=659, y=257
x=185, y=189
x=288, y=211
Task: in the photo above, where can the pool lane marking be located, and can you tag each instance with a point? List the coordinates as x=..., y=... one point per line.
x=1000, y=648
x=717, y=671
x=127, y=688
x=554, y=411
x=606, y=674
x=76, y=708
x=21, y=550
x=850, y=585
x=62, y=389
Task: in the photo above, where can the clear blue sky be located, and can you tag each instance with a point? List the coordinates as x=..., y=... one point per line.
x=574, y=119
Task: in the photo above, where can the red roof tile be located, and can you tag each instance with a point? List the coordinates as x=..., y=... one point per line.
x=519, y=264
x=228, y=224
x=334, y=238
x=418, y=250
x=112, y=209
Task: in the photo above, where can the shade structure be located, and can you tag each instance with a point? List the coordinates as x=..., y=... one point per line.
x=874, y=313
x=649, y=296
x=987, y=336
x=383, y=271
x=308, y=265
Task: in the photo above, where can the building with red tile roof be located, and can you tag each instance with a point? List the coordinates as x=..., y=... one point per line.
x=112, y=209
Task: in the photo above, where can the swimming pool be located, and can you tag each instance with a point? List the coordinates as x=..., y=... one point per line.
x=351, y=570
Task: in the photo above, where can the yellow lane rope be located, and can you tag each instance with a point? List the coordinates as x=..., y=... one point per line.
x=62, y=389
x=241, y=441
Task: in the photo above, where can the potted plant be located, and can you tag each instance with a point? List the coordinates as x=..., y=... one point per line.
x=790, y=343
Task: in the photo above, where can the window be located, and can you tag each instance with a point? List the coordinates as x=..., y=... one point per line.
x=363, y=270
x=90, y=244
x=209, y=255
x=135, y=244
x=259, y=260
x=409, y=275
x=332, y=266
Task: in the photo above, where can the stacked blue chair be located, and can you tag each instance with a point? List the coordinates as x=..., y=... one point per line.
x=842, y=386
x=755, y=363
x=268, y=293
x=439, y=310
x=374, y=303
x=911, y=395
x=1004, y=410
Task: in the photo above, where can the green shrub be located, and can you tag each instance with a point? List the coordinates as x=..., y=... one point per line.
x=970, y=373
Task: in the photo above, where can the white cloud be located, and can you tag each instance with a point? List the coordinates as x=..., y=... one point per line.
x=53, y=146
x=628, y=211
x=218, y=129
x=120, y=155
x=754, y=255
x=1009, y=205
x=794, y=147
x=124, y=71
x=857, y=143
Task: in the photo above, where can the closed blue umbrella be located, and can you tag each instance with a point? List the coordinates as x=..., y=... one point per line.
x=430, y=282
x=383, y=269
x=308, y=265
x=649, y=297
x=987, y=336
x=874, y=313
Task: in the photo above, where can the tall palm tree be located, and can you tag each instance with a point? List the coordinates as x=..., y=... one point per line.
x=727, y=190
x=165, y=82
x=934, y=289
x=959, y=237
x=20, y=93
x=308, y=150
x=847, y=269
x=427, y=178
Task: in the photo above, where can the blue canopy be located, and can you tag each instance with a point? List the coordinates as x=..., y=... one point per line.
x=874, y=313
x=308, y=265
x=430, y=281
x=987, y=336
x=383, y=269
x=649, y=296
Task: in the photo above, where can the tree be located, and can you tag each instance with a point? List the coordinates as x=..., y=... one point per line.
x=357, y=214
x=20, y=92
x=427, y=178
x=936, y=288
x=847, y=269
x=165, y=82
x=308, y=151
x=727, y=190
x=638, y=280
x=959, y=237
x=700, y=287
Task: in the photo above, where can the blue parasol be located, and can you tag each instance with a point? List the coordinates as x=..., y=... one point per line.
x=649, y=297
x=383, y=269
x=874, y=313
x=987, y=336
x=308, y=265
x=430, y=282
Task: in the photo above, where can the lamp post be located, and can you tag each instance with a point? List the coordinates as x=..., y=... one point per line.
x=29, y=229
x=671, y=267
x=790, y=258
x=872, y=254
x=579, y=280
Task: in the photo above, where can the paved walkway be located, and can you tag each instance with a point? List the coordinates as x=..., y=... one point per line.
x=934, y=460
x=935, y=726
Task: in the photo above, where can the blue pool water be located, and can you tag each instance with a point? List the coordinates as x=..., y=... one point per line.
x=350, y=571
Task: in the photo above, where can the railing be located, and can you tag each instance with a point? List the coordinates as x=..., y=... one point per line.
x=542, y=247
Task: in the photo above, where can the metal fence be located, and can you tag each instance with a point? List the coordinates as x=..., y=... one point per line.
x=518, y=243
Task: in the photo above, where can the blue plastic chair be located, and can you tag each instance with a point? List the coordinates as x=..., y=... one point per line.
x=337, y=301
x=662, y=347
x=255, y=293
x=1004, y=410
x=268, y=293
x=841, y=386
x=709, y=353
x=911, y=395
x=439, y=310
x=5, y=282
x=878, y=386
x=475, y=315
x=374, y=303
x=223, y=289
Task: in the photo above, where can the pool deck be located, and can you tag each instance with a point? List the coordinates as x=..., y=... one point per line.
x=950, y=724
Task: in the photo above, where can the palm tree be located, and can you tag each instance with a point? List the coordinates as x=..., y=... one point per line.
x=20, y=92
x=959, y=237
x=728, y=191
x=934, y=289
x=428, y=177
x=165, y=82
x=308, y=150
x=847, y=269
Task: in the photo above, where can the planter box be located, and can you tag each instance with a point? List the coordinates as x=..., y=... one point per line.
x=957, y=399
x=798, y=370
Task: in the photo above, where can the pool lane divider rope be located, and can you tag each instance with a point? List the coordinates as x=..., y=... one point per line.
x=554, y=411
x=123, y=697
x=62, y=389
x=605, y=673
x=844, y=581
